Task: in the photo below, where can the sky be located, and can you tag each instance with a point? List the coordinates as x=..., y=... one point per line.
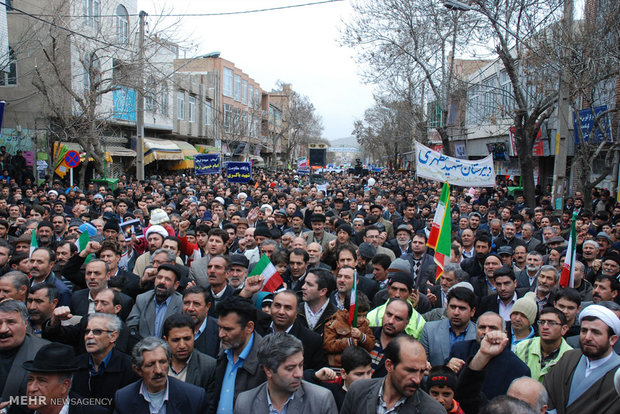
x=296, y=45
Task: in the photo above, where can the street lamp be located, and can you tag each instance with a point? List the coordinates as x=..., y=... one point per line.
x=456, y=5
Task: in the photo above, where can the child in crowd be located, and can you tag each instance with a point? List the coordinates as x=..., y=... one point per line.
x=441, y=383
x=339, y=334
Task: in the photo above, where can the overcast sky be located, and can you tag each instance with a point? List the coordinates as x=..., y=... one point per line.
x=297, y=45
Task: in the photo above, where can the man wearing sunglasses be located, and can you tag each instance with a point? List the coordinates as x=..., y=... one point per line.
x=542, y=352
x=103, y=369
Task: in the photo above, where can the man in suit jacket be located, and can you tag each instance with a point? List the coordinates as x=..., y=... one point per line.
x=13, y=377
x=197, y=301
x=112, y=368
x=281, y=356
x=110, y=252
x=152, y=308
x=439, y=336
x=107, y=301
x=187, y=364
x=365, y=396
x=506, y=294
x=284, y=319
x=151, y=357
x=318, y=233
x=238, y=368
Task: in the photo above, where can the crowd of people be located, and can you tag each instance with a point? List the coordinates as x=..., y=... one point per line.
x=150, y=298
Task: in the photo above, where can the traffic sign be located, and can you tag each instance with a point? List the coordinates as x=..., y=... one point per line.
x=72, y=159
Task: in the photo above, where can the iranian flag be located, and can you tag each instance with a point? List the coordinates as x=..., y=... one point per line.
x=440, y=238
x=264, y=267
x=567, y=279
x=353, y=304
x=33, y=242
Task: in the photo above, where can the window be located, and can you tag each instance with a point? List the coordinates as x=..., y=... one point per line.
x=91, y=75
x=244, y=123
x=228, y=118
x=122, y=24
x=164, y=99
x=251, y=95
x=191, y=108
x=208, y=113
x=237, y=88
x=228, y=82
x=256, y=98
x=244, y=92
x=10, y=76
x=92, y=12
x=181, y=105
x=237, y=121
x=149, y=94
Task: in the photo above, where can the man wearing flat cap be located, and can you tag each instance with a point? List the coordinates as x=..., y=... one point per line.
x=318, y=233
x=583, y=380
x=49, y=383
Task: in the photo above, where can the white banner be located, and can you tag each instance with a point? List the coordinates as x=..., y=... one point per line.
x=436, y=166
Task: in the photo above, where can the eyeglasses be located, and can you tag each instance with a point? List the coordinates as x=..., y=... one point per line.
x=542, y=322
x=96, y=332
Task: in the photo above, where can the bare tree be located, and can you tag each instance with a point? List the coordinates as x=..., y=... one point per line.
x=83, y=57
x=301, y=124
x=408, y=47
x=386, y=132
x=587, y=52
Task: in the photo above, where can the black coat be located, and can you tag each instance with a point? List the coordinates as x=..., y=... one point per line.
x=79, y=304
x=127, y=282
x=182, y=399
x=314, y=355
x=118, y=374
x=209, y=342
x=74, y=335
x=319, y=328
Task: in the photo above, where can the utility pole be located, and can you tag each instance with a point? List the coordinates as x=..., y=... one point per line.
x=560, y=185
x=140, y=102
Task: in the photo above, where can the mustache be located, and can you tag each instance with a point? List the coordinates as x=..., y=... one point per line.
x=91, y=342
x=5, y=335
x=158, y=376
x=162, y=286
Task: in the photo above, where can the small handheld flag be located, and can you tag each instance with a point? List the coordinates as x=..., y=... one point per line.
x=440, y=238
x=353, y=304
x=264, y=267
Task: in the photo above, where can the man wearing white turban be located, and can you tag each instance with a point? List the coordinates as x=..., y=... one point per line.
x=583, y=380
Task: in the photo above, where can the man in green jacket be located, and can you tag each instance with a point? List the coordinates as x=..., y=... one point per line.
x=542, y=352
x=400, y=286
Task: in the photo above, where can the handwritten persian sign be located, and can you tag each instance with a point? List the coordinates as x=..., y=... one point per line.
x=238, y=172
x=207, y=164
x=436, y=166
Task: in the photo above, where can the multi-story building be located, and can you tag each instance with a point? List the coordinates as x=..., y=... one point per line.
x=74, y=81
x=231, y=104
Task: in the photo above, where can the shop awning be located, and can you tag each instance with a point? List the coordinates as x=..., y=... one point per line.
x=161, y=149
x=115, y=151
x=188, y=151
x=206, y=149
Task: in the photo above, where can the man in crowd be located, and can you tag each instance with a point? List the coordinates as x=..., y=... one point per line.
x=438, y=337
x=156, y=389
x=153, y=307
x=281, y=357
x=197, y=301
x=541, y=353
x=582, y=381
x=316, y=307
x=186, y=363
x=405, y=362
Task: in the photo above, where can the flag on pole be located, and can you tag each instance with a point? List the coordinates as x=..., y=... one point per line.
x=567, y=279
x=33, y=242
x=440, y=238
x=353, y=304
x=264, y=267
